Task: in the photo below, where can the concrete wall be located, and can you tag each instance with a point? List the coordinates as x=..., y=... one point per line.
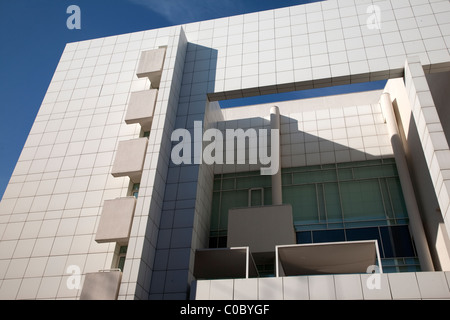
x=431, y=133
x=426, y=149
x=260, y=228
x=185, y=207
x=439, y=84
x=144, y=240
x=318, y=130
x=392, y=286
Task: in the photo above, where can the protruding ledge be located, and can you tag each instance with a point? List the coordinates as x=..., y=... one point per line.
x=130, y=158
x=103, y=285
x=141, y=107
x=151, y=65
x=115, y=221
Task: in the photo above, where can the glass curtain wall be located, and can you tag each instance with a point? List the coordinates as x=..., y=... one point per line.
x=335, y=202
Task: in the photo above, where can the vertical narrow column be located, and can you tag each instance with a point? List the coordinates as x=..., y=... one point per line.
x=277, y=197
x=415, y=221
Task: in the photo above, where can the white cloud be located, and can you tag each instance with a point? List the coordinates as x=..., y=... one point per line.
x=182, y=11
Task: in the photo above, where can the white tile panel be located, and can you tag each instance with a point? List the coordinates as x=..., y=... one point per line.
x=245, y=289
x=404, y=286
x=221, y=290
x=433, y=285
x=348, y=287
x=270, y=289
x=321, y=287
x=295, y=288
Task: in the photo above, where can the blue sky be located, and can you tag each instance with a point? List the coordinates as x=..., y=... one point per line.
x=33, y=34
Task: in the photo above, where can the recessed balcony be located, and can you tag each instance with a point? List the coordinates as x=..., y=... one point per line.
x=224, y=263
x=327, y=258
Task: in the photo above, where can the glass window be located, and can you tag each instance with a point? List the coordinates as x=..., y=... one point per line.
x=251, y=182
x=230, y=200
x=345, y=174
x=217, y=184
x=362, y=200
x=320, y=236
x=218, y=242
x=397, y=242
x=228, y=184
x=135, y=190
x=336, y=202
x=215, y=211
x=394, y=243
x=122, y=256
x=304, y=202
x=332, y=202
x=286, y=179
x=256, y=197
x=304, y=237
x=360, y=234
x=396, y=198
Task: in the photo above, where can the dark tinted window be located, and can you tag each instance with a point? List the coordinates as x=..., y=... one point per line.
x=328, y=236
x=304, y=237
x=393, y=241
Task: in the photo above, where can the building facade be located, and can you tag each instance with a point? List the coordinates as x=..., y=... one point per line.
x=135, y=184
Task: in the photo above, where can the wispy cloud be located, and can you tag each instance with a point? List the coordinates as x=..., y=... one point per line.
x=182, y=11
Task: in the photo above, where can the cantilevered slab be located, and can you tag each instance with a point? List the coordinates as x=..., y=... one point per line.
x=129, y=160
x=141, y=106
x=151, y=65
x=103, y=285
x=224, y=263
x=116, y=220
x=327, y=258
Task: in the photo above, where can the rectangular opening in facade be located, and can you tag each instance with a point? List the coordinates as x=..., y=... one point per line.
x=351, y=201
x=302, y=94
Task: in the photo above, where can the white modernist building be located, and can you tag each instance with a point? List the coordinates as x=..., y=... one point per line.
x=97, y=207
